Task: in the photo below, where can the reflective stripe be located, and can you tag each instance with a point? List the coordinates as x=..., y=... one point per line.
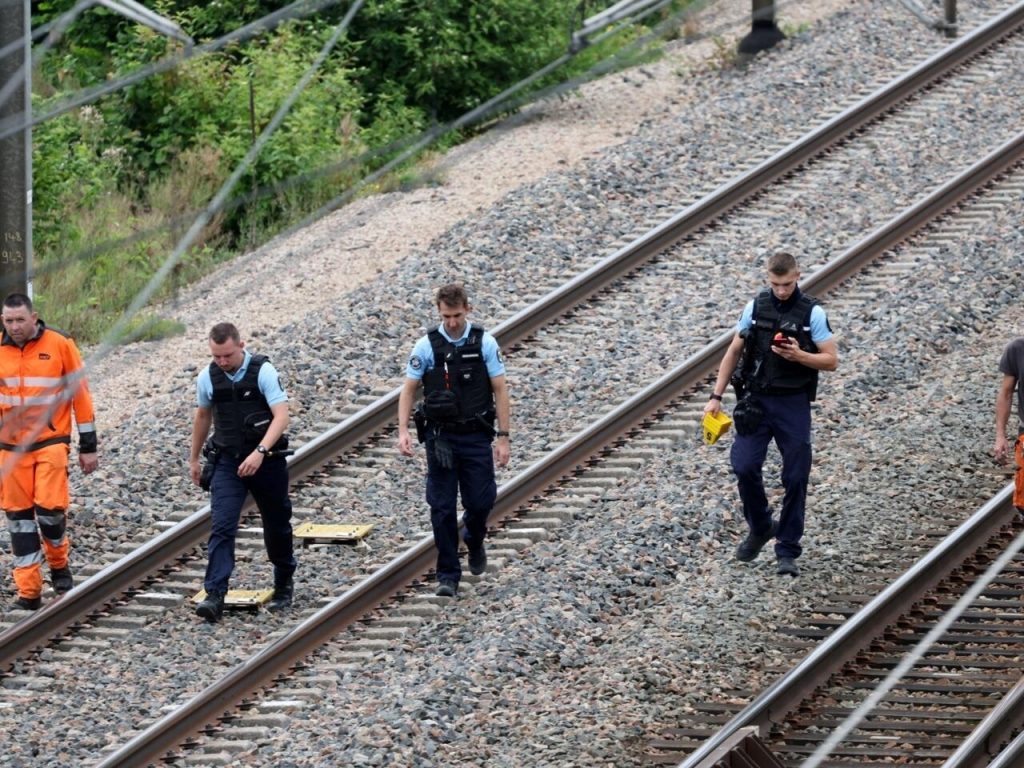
x=51, y=519
x=25, y=561
x=38, y=400
x=21, y=526
x=90, y=427
x=55, y=542
x=49, y=382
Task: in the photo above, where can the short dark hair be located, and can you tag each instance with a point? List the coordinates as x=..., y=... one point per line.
x=453, y=294
x=221, y=332
x=782, y=263
x=18, y=300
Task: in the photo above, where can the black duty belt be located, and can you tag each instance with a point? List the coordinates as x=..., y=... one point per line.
x=66, y=439
x=463, y=427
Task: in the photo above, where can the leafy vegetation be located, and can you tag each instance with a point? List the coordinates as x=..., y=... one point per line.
x=117, y=183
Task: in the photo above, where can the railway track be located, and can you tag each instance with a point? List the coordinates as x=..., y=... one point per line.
x=662, y=428
x=359, y=440
x=925, y=673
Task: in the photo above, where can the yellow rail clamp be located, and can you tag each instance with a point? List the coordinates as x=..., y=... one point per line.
x=240, y=598
x=317, y=533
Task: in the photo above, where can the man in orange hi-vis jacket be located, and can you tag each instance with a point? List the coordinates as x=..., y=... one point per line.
x=41, y=379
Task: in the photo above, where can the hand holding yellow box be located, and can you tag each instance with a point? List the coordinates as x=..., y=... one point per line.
x=715, y=425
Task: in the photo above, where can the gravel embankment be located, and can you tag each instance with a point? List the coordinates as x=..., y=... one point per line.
x=593, y=640
x=332, y=344
x=578, y=653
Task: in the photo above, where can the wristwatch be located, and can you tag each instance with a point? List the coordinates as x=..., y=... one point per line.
x=262, y=449
x=501, y=433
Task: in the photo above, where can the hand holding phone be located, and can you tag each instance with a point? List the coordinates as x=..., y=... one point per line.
x=781, y=341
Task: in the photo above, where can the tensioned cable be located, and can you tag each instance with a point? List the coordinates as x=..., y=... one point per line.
x=116, y=333
x=488, y=108
x=14, y=45
x=427, y=136
x=218, y=203
x=299, y=9
x=57, y=31
x=15, y=123
x=913, y=656
x=493, y=105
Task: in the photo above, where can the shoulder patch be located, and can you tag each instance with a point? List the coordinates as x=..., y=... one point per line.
x=415, y=363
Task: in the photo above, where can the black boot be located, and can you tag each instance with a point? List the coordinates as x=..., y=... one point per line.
x=62, y=580
x=282, y=597
x=28, y=603
x=212, y=607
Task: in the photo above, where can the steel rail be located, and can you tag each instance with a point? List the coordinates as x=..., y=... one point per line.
x=98, y=591
x=276, y=659
x=1012, y=756
x=864, y=626
x=998, y=727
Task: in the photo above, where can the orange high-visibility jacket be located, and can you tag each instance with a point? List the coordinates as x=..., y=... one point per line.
x=39, y=384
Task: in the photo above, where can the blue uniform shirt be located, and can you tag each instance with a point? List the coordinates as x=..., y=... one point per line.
x=422, y=358
x=269, y=383
x=819, y=323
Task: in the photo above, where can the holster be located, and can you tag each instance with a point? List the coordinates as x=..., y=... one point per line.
x=738, y=386
x=420, y=420
x=211, y=453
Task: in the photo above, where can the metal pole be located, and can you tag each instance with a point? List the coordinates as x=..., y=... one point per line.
x=764, y=32
x=16, y=153
x=950, y=26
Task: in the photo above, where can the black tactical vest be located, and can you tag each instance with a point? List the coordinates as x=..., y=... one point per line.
x=241, y=413
x=457, y=390
x=765, y=372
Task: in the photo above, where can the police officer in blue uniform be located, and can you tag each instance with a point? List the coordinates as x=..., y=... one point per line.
x=783, y=339
x=465, y=409
x=240, y=394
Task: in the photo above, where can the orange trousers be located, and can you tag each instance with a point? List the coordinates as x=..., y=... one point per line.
x=34, y=495
x=1018, y=480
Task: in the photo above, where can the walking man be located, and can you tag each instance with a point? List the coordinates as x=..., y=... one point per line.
x=240, y=394
x=465, y=396
x=1011, y=364
x=41, y=381
x=784, y=339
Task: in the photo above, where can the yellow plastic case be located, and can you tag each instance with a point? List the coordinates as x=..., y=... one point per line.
x=715, y=425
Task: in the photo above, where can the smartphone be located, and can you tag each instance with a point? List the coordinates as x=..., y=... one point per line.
x=780, y=341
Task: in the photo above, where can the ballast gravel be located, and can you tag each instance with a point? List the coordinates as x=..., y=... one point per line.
x=590, y=643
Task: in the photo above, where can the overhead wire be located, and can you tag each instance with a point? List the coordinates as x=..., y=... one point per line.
x=299, y=9
x=117, y=332
x=36, y=33
x=409, y=145
x=19, y=77
x=501, y=102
